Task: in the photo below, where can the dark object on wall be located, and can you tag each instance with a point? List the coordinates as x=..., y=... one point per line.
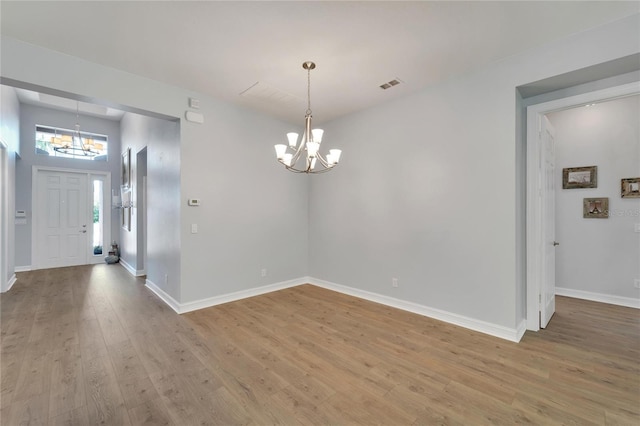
x=580, y=177
x=595, y=208
x=630, y=187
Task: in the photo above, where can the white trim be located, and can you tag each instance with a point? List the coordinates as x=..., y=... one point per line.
x=522, y=328
x=166, y=298
x=10, y=283
x=533, y=213
x=131, y=269
x=511, y=334
x=629, y=302
x=239, y=295
x=26, y=268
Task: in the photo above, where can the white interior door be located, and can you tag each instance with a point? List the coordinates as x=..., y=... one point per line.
x=62, y=219
x=4, y=219
x=548, y=288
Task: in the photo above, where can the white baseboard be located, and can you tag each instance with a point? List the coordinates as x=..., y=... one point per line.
x=182, y=308
x=238, y=295
x=629, y=302
x=166, y=298
x=511, y=334
x=131, y=269
x=22, y=268
x=10, y=283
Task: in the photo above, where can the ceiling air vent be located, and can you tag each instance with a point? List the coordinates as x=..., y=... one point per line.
x=389, y=84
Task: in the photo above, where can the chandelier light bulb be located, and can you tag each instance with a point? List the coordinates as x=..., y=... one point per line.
x=293, y=139
x=280, y=151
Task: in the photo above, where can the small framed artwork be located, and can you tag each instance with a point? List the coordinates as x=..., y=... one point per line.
x=126, y=167
x=630, y=187
x=595, y=208
x=580, y=177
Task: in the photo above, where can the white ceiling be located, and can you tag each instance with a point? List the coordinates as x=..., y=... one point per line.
x=224, y=48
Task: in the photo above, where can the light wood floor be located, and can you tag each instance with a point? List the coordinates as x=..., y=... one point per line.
x=91, y=345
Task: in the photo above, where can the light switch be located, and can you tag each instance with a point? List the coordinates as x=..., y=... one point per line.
x=636, y=227
x=194, y=228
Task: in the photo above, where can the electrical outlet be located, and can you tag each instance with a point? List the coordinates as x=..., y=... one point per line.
x=263, y=272
x=636, y=283
x=166, y=279
x=636, y=227
x=394, y=282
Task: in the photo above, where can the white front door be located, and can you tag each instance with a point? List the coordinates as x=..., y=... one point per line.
x=548, y=288
x=61, y=219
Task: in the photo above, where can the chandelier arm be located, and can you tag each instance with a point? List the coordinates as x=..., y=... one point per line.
x=298, y=152
x=324, y=162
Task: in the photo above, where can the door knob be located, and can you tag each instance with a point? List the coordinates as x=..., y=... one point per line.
x=555, y=243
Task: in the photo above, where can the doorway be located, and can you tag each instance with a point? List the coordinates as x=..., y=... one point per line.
x=141, y=211
x=72, y=217
x=540, y=292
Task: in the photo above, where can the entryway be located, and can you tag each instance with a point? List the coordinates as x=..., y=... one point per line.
x=72, y=216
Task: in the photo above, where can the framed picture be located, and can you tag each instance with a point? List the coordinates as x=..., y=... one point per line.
x=630, y=187
x=126, y=167
x=580, y=177
x=595, y=208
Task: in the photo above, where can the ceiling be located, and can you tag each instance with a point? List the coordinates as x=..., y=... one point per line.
x=224, y=48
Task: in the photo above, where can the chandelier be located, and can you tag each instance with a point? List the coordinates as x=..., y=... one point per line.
x=312, y=162
x=74, y=145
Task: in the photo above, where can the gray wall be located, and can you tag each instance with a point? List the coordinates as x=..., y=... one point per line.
x=161, y=138
x=30, y=116
x=598, y=255
x=10, y=135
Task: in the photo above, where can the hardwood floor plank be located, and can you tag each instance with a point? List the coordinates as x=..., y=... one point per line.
x=34, y=376
x=32, y=411
x=103, y=398
x=137, y=390
x=67, y=381
x=76, y=417
x=150, y=413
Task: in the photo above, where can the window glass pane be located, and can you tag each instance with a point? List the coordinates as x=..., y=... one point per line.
x=98, y=217
x=66, y=143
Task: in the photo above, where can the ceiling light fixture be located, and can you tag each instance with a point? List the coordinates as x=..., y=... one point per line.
x=74, y=145
x=310, y=143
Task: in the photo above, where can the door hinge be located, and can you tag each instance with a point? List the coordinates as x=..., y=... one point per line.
x=540, y=299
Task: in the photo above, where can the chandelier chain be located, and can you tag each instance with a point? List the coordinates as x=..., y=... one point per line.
x=308, y=91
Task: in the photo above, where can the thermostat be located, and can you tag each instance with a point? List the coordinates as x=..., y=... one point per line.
x=193, y=202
